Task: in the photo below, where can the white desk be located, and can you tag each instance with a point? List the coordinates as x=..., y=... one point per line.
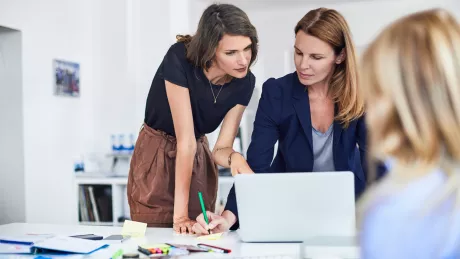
x=166, y=235
x=153, y=235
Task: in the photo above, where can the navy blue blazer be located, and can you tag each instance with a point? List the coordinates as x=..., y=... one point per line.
x=283, y=115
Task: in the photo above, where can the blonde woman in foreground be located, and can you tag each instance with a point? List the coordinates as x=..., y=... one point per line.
x=411, y=81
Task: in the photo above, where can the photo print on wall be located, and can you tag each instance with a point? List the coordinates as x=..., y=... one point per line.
x=66, y=78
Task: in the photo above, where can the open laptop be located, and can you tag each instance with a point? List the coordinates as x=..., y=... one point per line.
x=294, y=207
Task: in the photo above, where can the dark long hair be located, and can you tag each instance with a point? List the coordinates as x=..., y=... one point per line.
x=216, y=21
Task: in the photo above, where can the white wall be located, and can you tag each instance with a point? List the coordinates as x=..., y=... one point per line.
x=56, y=129
x=119, y=45
x=114, y=96
x=12, y=189
x=134, y=37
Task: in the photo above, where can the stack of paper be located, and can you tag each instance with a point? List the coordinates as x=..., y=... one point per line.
x=62, y=244
x=24, y=239
x=6, y=248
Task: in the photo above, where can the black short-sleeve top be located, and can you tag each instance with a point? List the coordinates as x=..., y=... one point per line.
x=207, y=115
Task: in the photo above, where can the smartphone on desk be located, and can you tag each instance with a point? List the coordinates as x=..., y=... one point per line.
x=89, y=237
x=116, y=238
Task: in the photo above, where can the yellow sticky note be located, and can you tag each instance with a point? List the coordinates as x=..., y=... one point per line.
x=211, y=237
x=134, y=229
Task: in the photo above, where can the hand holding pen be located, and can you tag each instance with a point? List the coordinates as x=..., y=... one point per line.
x=217, y=224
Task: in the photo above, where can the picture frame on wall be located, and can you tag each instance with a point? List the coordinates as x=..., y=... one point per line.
x=66, y=78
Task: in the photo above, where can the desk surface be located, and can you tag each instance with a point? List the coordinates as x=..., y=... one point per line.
x=156, y=235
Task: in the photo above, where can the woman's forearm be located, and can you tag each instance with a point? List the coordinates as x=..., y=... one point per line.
x=184, y=166
x=221, y=155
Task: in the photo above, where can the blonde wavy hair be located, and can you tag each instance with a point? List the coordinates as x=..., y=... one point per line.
x=330, y=26
x=410, y=78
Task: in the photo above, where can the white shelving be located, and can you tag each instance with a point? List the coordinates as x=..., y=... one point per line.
x=119, y=198
x=120, y=155
x=90, y=223
x=79, y=180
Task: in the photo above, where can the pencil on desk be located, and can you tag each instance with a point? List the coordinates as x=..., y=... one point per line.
x=200, y=196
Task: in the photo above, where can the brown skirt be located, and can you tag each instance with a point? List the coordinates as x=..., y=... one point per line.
x=152, y=174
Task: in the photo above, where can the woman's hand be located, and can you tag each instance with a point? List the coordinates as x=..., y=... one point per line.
x=217, y=223
x=239, y=165
x=183, y=225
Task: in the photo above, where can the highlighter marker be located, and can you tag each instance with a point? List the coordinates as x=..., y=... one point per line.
x=144, y=251
x=215, y=248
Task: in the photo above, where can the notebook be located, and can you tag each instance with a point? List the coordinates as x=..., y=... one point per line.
x=24, y=239
x=9, y=248
x=60, y=244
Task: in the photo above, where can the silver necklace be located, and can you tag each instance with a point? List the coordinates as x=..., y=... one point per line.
x=212, y=91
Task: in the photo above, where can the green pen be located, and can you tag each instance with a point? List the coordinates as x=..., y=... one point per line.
x=200, y=196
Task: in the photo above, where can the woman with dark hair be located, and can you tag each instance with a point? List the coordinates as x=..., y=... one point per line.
x=203, y=81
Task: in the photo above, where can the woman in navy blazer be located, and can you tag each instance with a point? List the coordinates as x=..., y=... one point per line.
x=315, y=114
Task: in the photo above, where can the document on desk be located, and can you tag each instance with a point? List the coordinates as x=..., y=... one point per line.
x=70, y=245
x=23, y=239
x=10, y=245
x=6, y=248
